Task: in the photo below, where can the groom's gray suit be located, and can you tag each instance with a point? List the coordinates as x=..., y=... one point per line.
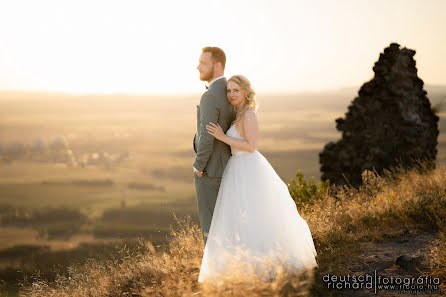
x=211, y=154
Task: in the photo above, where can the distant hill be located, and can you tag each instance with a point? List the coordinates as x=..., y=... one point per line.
x=434, y=92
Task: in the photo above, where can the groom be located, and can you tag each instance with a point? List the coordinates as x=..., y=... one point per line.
x=211, y=154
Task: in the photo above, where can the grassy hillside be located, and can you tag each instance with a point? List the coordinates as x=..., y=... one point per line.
x=344, y=222
x=125, y=167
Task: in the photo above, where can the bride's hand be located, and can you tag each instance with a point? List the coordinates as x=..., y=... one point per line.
x=215, y=130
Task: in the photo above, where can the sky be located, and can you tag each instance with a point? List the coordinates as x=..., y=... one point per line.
x=152, y=47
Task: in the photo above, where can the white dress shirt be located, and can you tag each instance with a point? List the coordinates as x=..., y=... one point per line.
x=210, y=83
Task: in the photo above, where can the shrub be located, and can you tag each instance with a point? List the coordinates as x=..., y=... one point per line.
x=304, y=192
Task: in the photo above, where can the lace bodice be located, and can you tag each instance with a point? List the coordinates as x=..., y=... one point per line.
x=232, y=132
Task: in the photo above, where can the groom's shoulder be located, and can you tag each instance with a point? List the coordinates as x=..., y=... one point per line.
x=216, y=93
x=208, y=99
x=207, y=95
x=213, y=94
x=218, y=90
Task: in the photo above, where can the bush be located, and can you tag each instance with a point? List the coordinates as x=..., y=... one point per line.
x=304, y=193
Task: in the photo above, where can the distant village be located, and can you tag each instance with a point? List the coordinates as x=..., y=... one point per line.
x=58, y=150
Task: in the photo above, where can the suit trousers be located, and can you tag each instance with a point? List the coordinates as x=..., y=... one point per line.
x=206, y=189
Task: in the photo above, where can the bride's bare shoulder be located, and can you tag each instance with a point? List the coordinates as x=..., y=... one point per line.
x=250, y=115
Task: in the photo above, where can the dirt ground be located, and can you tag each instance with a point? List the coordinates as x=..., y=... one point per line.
x=397, y=259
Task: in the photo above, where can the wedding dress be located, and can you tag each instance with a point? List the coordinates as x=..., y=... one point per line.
x=255, y=220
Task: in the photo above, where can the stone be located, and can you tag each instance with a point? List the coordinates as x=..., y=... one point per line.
x=389, y=124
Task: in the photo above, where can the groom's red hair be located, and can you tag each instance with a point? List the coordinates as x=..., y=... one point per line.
x=218, y=55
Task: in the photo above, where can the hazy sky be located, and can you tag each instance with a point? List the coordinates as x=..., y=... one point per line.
x=147, y=46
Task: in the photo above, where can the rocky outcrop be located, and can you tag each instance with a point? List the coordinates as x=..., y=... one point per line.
x=389, y=123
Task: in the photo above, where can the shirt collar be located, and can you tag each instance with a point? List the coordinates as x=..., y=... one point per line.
x=215, y=79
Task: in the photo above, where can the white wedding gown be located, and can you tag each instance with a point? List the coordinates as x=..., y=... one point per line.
x=254, y=217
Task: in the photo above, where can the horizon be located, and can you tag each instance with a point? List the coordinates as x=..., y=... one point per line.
x=282, y=93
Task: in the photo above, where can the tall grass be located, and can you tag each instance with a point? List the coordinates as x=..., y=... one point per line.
x=169, y=272
x=339, y=220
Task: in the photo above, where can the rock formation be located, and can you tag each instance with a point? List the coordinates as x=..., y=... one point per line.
x=390, y=123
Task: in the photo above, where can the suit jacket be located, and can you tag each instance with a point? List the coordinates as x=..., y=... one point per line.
x=213, y=154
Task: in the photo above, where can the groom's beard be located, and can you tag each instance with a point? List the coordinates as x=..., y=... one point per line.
x=207, y=76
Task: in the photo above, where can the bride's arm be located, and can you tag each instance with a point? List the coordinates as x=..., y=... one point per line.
x=250, y=130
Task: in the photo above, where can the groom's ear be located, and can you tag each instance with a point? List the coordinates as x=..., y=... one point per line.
x=218, y=65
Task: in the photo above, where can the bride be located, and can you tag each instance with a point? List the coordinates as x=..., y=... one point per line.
x=255, y=220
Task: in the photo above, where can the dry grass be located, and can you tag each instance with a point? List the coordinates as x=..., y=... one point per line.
x=338, y=221
x=172, y=272
x=438, y=259
x=382, y=205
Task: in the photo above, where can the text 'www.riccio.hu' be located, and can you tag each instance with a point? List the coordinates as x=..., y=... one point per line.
x=373, y=282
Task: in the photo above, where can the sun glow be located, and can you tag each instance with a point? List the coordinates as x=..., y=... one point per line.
x=153, y=46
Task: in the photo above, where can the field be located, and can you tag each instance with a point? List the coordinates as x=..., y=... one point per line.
x=81, y=172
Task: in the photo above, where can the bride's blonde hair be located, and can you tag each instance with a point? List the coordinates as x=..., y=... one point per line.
x=250, y=102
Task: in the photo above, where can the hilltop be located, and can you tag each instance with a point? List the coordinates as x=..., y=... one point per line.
x=393, y=224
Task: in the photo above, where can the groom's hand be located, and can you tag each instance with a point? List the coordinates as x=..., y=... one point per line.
x=199, y=174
